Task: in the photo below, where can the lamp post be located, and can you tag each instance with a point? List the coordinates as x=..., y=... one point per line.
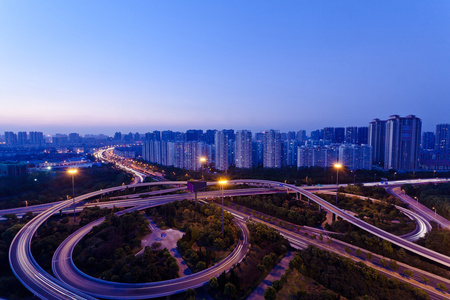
x=203, y=160
x=222, y=183
x=394, y=175
x=434, y=211
x=73, y=172
x=337, y=166
x=434, y=173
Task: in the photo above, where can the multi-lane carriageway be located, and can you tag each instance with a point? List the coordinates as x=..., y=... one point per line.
x=48, y=287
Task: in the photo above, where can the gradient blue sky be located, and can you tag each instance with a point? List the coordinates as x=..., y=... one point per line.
x=105, y=66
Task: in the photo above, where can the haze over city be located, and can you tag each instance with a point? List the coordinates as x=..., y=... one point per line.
x=99, y=67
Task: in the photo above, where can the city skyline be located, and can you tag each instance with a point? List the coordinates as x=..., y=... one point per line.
x=91, y=68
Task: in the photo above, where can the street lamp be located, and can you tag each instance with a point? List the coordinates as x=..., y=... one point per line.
x=434, y=212
x=203, y=160
x=337, y=166
x=73, y=172
x=394, y=175
x=222, y=184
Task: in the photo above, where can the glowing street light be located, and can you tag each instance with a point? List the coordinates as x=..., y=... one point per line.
x=337, y=166
x=203, y=160
x=434, y=212
x=222, y=184
x=73, y=172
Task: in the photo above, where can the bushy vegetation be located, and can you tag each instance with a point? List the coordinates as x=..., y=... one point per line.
x=378, y=213
x=43, y=187
x=374, y=244
x=52, y=233
x=432, y=195
x=108, y=251
x=268, y=247
x=202, y=244
x=437, y=240
x=285, y=207
x=375, y=192
x=359, y=281
x=10, y=286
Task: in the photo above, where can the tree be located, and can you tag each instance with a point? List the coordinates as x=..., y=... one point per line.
x=425, y=279
x=230, y=290
x=369, y=256
x=442, y=286
x=348, y=250
x=393, y=265
x=190, y=294
x=408, y=273
x=383, y=262
x=270, y=293
x=277, y=285
x=201, y=265
x=261, y=268
x=213, y=283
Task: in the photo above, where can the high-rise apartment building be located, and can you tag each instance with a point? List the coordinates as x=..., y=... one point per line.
x=194, y=135
x=290, y=152
x=363, y=136
x=208, y=136
x=221, y=156
x=272, y=149
x=243, y=153
x=355, y=157
x=316, y=156
x=443, y=138
x=10, y=138
x=351, y=135
x=328, y=134
x=22, y=138
x=339, y=135
x=301, y=136
x=377, y=140
x=402, y=143
x=317, y=134
x=36, y=138
x=428, y=141
x=257, y=152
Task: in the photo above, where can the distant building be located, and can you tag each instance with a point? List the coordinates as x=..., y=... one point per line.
x=377, y=140
x=363, y=136
x=290, y=152
x=443, y=138
x=272, y=149
x=10, y=138
x=339, y=135
x=221, y=157
x=355, y=157
x=208, y=136
x=428, y=141
x=243, y=153
x=194, y=135
x=74, y=138
x=316, y=156
x=36, y=138
x=22, y=138
x=351, y=135
x=328, y=134
x=257, y=152
x=402, y=143
x=317, y=135
x=301, y=136
x=118, y=136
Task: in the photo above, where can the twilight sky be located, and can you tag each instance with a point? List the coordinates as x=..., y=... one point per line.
x=106, y=66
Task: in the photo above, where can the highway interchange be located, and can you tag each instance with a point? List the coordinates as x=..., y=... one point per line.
x=73, y=284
